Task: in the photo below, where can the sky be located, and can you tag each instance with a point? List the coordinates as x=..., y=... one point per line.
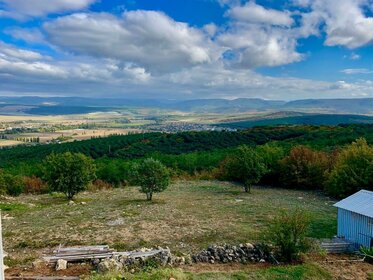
x=187, y=49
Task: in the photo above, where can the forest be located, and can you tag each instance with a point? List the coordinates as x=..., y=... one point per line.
x=308, y=155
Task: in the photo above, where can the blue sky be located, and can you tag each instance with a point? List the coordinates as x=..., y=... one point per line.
x=185, y=49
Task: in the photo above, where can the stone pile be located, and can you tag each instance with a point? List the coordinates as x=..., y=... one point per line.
x=144, y=257
x=243, y=253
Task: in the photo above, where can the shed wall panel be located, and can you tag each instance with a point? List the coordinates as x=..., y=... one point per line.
x=355, y=227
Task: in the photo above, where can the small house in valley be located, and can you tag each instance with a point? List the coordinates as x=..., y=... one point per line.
x=355, y=218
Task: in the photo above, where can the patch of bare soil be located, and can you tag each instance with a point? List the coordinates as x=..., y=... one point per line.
x=48, y=271
x=345, y=267
x=229, y=267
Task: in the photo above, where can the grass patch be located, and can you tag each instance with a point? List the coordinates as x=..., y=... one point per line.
x=186, y=218
x=10, y=207
x=299, y=272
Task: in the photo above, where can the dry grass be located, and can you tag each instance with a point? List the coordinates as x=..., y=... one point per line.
x=9, y=143
x=187, y=217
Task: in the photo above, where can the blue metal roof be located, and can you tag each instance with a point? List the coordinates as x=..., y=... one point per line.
x=360, y=202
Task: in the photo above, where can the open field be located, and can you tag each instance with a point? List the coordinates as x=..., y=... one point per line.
x=9, y=143
x=74, y=134
x=187, y=217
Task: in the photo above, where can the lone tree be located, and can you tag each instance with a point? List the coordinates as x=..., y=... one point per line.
x=152, y=177
x=68, y=173
x=245, y=166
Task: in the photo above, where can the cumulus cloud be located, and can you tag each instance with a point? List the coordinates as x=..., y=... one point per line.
x=345, y=22
x=36, y=74
x=146, y=38
x=147, y=53
x=35, y=8
x=257, y=37
x=253, y=46
x=254, y=13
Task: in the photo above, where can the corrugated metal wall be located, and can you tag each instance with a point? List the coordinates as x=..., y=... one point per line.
x=355, y=227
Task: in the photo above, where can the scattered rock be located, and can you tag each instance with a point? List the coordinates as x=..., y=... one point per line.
x=109, y=265
x=117, y=222
x=61, y=265
x=7, y=217
x=83, y=203
x=161, y=258
x=38, y=264
x=71, y=202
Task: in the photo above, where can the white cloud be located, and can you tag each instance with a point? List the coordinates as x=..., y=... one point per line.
x=355, y=56
x=354, y=71
x=147, y=38
x=15, y=53
x=257, y=37
x=112, y=78
x=254, y=46
x=254, y=13
x=35, y=8
x=345, y=21
x=29, y=35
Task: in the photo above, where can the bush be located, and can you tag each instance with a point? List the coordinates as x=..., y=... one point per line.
x=353, y=170
x=99, y=185
x=34, y=185
x=288, y=233
x=10, y=184
x=304, y=168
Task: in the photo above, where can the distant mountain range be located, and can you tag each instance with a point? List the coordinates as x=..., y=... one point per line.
x=76, y=105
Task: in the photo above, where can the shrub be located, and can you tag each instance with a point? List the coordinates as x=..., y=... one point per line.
x=99, y=185
x=368, y=254
x=304, y=168
x=34, y=185
x=10, y=184
x=353, y=170
x=288, y=233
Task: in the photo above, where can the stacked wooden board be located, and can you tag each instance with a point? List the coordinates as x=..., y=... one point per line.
x=76, y=254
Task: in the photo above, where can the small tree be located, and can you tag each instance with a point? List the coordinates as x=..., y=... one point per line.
x=68, y=173
x=152, y=177
x=304, y=168
x=245, y=166
x=288, y=233
x=353, y=170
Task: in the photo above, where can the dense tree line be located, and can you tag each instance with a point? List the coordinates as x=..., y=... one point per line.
x=140, y=145
x=304, y=157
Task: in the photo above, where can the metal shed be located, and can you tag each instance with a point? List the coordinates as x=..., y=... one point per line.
x=355, y=218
